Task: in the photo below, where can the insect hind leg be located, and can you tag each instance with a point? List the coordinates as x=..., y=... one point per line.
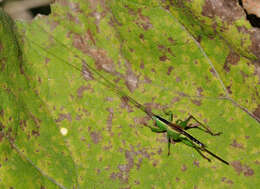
x=203, y=127
x=190, y=144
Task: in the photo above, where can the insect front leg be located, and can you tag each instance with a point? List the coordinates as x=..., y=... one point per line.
x=169, y=144
x=172, y=137
x=170, y=114
x=156, y=129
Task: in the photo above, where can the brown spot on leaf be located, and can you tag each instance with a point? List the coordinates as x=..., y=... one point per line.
x=178, y=79
x=161, y=47
x=113, y=176
x=256, y=112
x=81, y=90
x=257, y=162
x=239, y=168
x=137, y=182
x=144, y=20
x=248, y=171
x=131, y=49
x=257, y=73
x=230, y=182
x=159, y=151
x=90, y=36
x=131, y=80
x=114, y=22
x=170, y=68
x=182, y=94
x=171, y=40
x=229, y=89
x=2, y=113
x=141, y=36
x=183, y=168
x=175, y=99
x=61, y=117
x=196, y=163
x=35, y=120
x=2, y=64
x=35, y=133
x=154, y=163
x=147, y=80
x=130, y=10
x=170, y=51
x=39, y=80
x=255, y=40
x=80, y=42
x=163, y=58
x=124, y=169
x=232, y=59
x=244, y=75
x=138, y=164
x=150, y=106
x=46, y=61
x=78, y=116
x=146, y=26
x=72, y=18
x=1, y=126
x=142, y=65
x=225, y=180
x=141, y=120
x=163, y=139
x=102, y=61
x=108, y=147
x=83, y=139
x=235, y=144
x=1, y=136
x=96, y=137
x=110, y=119
x=213, y=72
x=196, y=102
x=199, y=90
x=125, y=104
x=226, y=67
x=198, y=38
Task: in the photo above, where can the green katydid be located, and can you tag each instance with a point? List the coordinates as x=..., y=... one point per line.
x=176, y=132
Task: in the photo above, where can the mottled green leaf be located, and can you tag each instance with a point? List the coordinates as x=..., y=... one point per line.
x=151, y=50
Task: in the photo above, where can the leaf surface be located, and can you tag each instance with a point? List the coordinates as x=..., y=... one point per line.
x=154, y=53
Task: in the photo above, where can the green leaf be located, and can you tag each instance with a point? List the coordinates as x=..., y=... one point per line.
x=159, y=55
